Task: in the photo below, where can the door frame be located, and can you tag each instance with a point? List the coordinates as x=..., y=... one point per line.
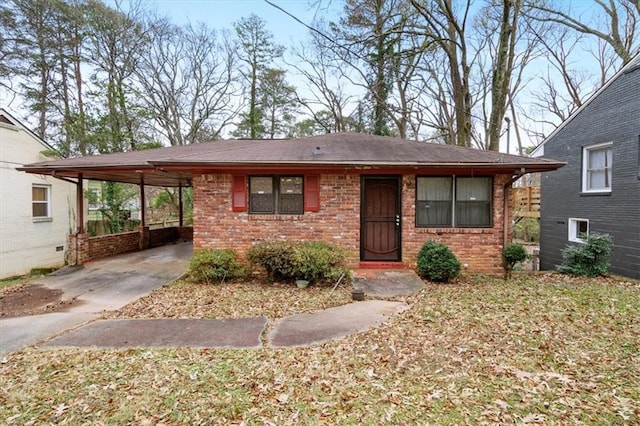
x=398, y=180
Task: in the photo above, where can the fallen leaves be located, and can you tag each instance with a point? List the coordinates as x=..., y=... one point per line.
x=539, y=349
x=184, y=299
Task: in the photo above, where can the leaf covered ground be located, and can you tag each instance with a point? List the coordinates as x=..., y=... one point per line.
x=543, y=349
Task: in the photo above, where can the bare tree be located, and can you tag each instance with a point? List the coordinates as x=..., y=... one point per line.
x=608, y=34
x=615, y=23
x=447, y=29
x=187, y=75
x=328, y=97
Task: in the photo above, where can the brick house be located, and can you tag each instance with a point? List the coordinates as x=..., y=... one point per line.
x=599, y=189
x=378, y=198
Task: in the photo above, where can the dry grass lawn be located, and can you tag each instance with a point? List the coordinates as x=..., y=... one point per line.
x=541, y=349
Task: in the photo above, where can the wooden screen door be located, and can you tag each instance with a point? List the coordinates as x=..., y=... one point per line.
x=380, y=219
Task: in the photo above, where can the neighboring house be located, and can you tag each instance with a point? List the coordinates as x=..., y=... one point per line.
x=95, y=202
x=599, y=189
x=378, y=198
x=35, y=216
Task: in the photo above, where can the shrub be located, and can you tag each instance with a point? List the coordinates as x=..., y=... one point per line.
x=317, y=261
x=436, y=262
x=276, y=257
x=311, y=261
x=590, y=259
x=513, y=254
x=215, y=265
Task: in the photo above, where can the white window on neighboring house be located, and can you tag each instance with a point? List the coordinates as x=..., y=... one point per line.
x=578, y=230
x=94, y=199
x=41, y=202
x=596, y=168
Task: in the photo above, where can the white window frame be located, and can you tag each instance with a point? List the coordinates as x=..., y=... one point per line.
x=91, y=206
x=585, y=168
x=573, y=226
x=46, y=202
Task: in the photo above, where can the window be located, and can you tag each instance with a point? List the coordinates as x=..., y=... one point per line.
x=454, y=201
x=434, y=201
x=276, y=194
x=596, y=168
x=93, y=195
x=578, y=230
x=41, y=201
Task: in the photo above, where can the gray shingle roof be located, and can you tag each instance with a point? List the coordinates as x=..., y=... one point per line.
x=173, y=165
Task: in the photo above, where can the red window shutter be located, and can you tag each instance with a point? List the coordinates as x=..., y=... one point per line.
x=312, y=193
x=239, y=201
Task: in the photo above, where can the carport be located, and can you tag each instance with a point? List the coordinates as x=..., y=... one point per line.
x=126, y=167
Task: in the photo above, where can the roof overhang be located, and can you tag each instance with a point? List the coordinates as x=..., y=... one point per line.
x=175, y=174
x=355, y=153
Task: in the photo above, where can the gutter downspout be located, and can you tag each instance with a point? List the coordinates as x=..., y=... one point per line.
x=506, y=194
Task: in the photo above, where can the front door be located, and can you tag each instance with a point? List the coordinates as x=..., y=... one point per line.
x=380, y=218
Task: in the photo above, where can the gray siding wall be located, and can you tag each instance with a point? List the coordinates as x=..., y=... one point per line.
x=613, y=116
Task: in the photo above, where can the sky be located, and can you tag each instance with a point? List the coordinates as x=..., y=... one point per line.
x=221, y=14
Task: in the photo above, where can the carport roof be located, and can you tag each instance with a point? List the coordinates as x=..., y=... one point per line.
x=174, y=166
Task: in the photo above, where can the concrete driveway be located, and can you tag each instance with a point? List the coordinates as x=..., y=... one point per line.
x=101, y=285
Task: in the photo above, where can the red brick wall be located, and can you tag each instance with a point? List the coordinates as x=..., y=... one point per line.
x=161, y=236
x=110, y=245
x=337, y=222
x=479, y=248
x=185, y=232
x=215, y=225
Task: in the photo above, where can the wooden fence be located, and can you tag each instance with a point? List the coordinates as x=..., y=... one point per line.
x=526, y=202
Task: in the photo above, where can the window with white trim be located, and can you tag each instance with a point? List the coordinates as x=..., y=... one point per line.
x=94, y=199
x=41, y=201
x=596, y=168
x=578, y=230
x=276, y=195
x=446, y=201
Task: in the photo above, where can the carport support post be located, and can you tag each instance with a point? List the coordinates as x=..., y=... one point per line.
x=144, y=231
x=77, y=243
x=80, y=204
x=180, y=213
x=142, y=201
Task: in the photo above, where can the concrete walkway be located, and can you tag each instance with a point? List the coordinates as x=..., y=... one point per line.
x=101, y=285
x=111, y=284
x=332, y=323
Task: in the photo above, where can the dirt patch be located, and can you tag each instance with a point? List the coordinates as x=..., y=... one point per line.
x=32, y=299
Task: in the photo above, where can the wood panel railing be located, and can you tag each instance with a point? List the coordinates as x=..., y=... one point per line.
x=526, y=202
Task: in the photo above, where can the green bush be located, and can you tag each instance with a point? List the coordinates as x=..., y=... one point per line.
x=311, y=261
x=215, y=265
x=436, y=262
x=317, y=261
x=276, y=257
x=590, y=259
x=513, y=254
